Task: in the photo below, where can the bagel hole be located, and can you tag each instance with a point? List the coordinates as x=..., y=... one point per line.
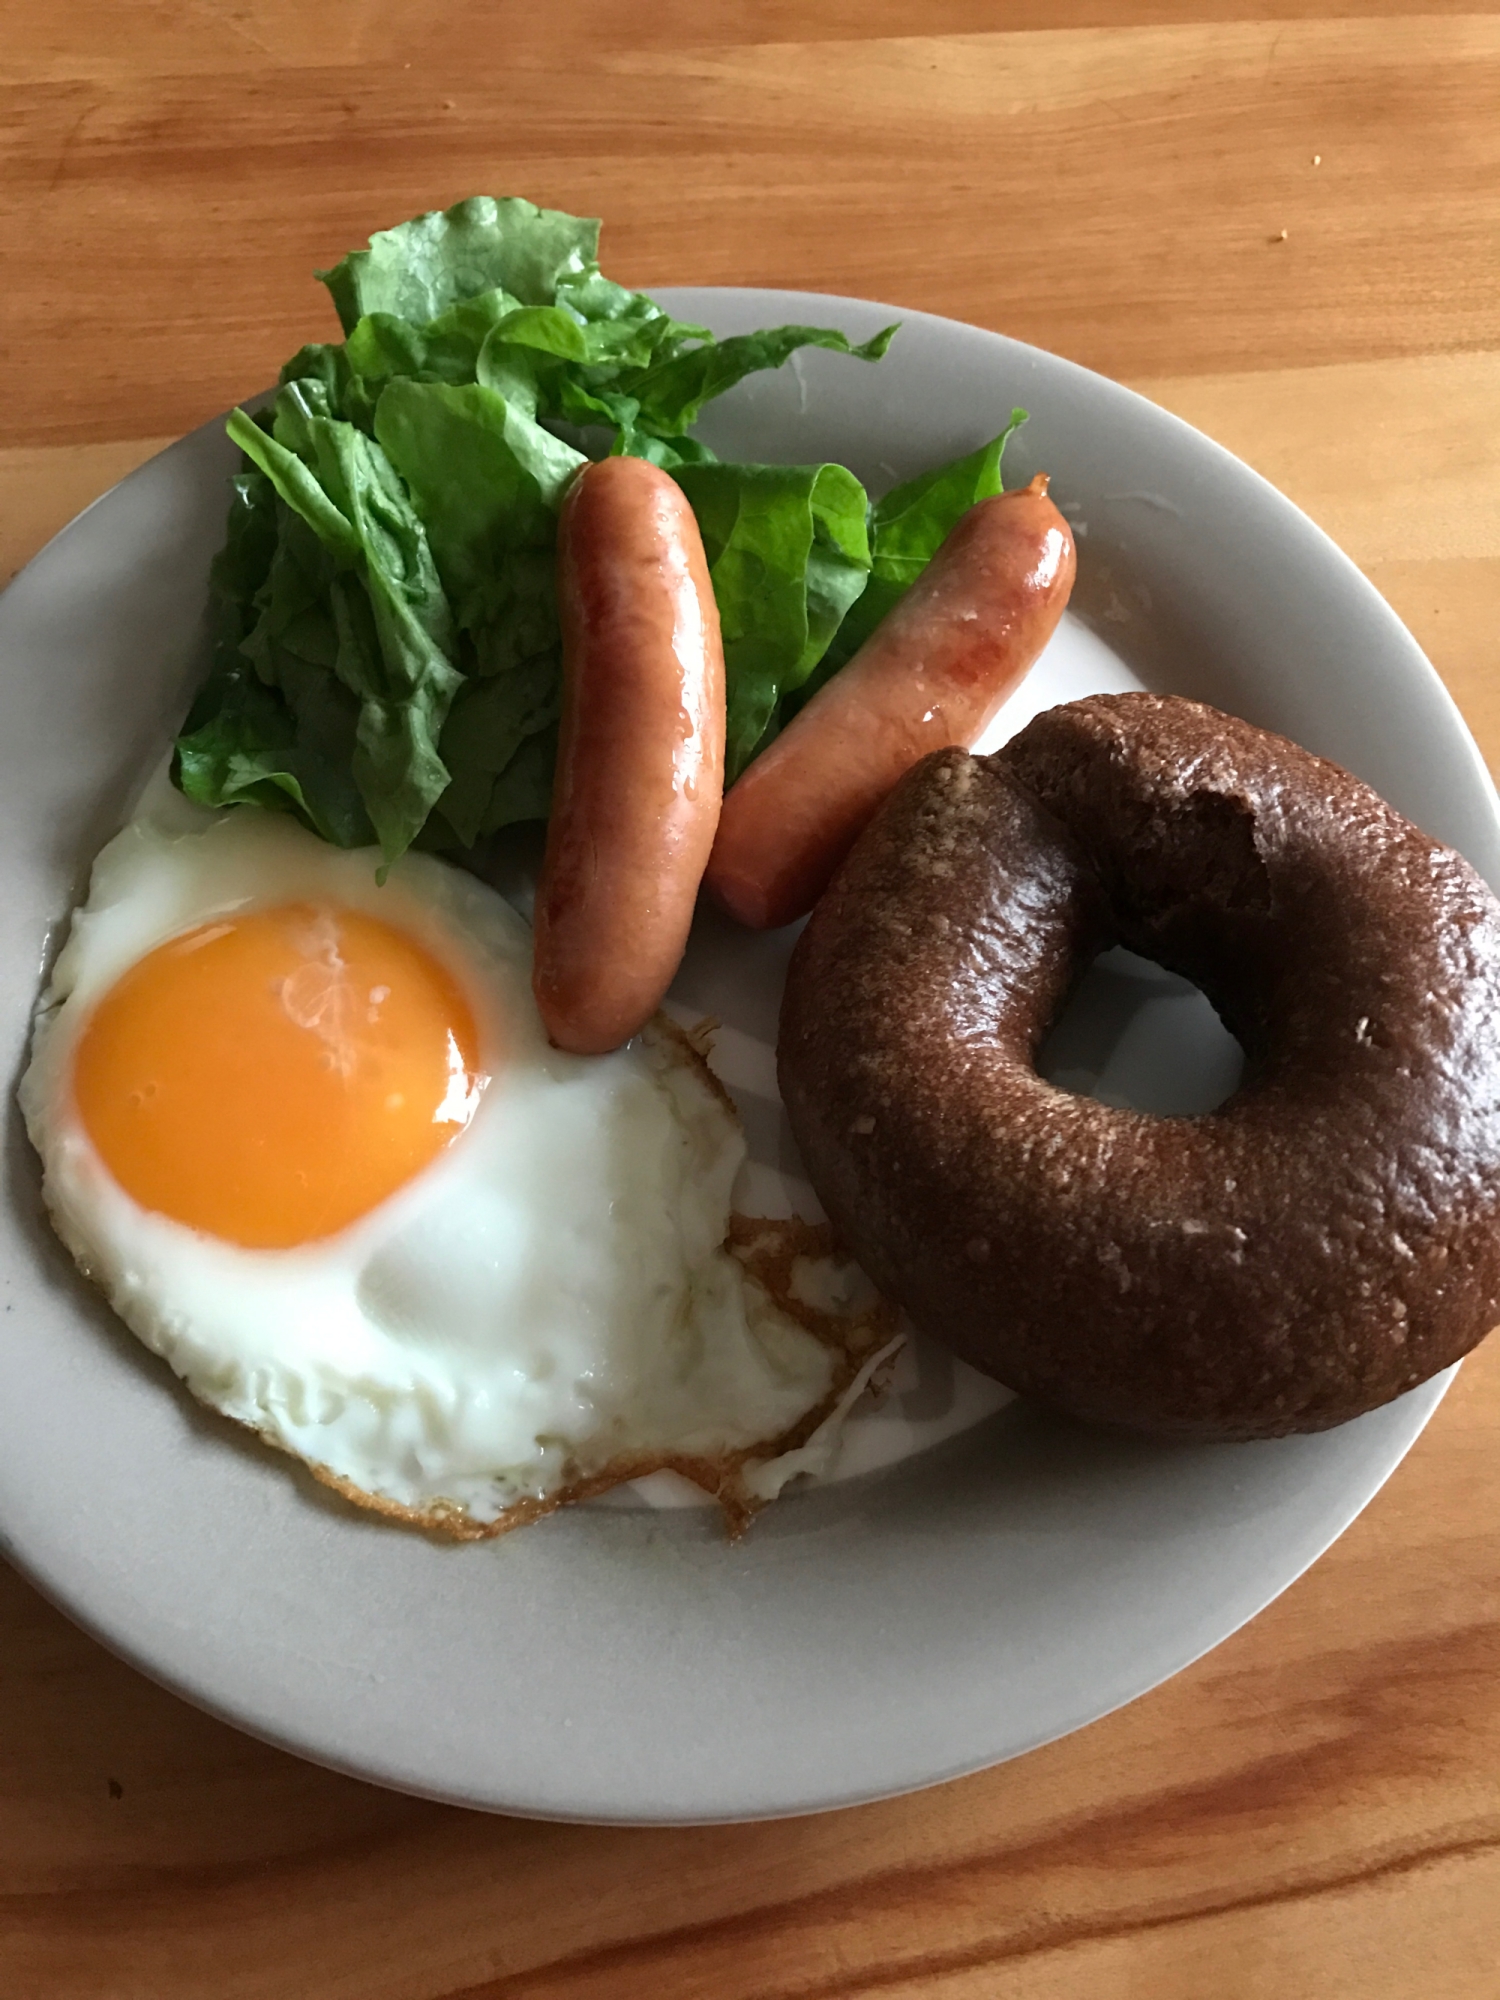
x=1139, y=1037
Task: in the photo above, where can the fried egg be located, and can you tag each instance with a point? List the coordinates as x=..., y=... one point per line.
x=306, y=1132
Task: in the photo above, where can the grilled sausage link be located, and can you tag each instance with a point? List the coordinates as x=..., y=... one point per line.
x=640, y=768
x=931, y=675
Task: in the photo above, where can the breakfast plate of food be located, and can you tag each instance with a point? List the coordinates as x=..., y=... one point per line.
x=752, y=1050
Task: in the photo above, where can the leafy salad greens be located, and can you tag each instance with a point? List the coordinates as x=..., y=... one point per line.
x=386, y=654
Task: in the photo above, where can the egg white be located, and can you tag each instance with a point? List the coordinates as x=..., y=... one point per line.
x=548, y=1299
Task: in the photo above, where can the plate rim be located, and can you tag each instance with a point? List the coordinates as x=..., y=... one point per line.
x=1422, y=1402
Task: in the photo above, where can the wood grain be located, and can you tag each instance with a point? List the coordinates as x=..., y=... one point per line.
x=1327, y=436
x=1315, y=1808
x=161, y=228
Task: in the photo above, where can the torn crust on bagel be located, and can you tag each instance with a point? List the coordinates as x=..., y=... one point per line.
x=1325, y=1239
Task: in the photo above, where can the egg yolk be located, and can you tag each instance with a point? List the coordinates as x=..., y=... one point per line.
x=270, y=1077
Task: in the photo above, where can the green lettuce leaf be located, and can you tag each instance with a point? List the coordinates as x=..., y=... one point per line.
x=326, y=371
x=668, y=453
x=421, y=268
x=487, y=481
x=392, y=630
x=387, y=657
x=671, y=394
x=788, y=554
x=500, y=743
x=627, y=329
x=907, y=527
x=272, y=726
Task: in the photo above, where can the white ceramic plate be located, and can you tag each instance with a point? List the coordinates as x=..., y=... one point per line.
x=996, y=1589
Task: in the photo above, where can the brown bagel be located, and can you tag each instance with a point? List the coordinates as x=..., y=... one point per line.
x=1326, y=1239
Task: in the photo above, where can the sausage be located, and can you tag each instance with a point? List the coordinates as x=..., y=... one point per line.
x=640, y=762
x=931, y=675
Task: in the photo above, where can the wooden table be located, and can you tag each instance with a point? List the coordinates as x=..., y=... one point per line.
x=1284, y=228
